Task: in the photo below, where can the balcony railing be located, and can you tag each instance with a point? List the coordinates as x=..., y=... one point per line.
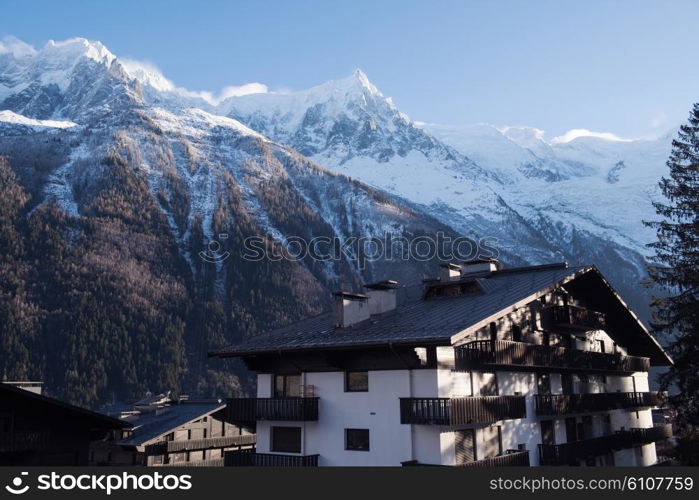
x=513, y=458
x=650, y=434
x=574, y=317
x=561, y=404
x=250, y=458
x=253, y=409
x=211, y=462
x=24, y=441
x=571, y=453
x=162, y=447
x=505, y=354
x=461, y=411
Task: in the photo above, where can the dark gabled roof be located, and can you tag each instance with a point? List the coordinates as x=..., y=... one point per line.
x=351, y=295
x=444, y=320
x=451, y=265
x=151, y=425
x=423, y=321
x=482, y=260
x=46, y=404
x=382, y=285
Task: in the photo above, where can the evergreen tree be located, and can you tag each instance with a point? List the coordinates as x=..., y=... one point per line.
x=676, y=269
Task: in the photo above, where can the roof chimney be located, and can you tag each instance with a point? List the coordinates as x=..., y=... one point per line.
x=350, y=308
x=449, y=272
x=382, y=296
x=480, y=267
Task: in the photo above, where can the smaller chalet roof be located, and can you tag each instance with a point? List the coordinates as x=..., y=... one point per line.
x=151, y=425
x=16, y=397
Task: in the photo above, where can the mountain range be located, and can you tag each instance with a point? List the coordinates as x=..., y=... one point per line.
x=116, y=182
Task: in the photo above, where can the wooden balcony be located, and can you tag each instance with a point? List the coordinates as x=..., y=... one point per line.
x=248, y=410
x=578, y=318
x=211, y=462
x=571, y=453
x=650, y=434
x=250, y=458
x=561, y=404
x=461, y=411
x=24, y=441
x=162, y=447
x=512, y=458
x=508, y=355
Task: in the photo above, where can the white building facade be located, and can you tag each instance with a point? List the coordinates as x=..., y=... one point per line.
x=490, y=367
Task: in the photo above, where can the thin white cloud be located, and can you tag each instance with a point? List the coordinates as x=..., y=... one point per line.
x=238, y=90
x=577, y=133
x=11, y=45
x=149, y=74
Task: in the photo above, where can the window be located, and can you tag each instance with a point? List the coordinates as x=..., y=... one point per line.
x=543, y=383
x=287, y=386
x=357, y=439
x=548, y=435
x=567, y=383
x=571, y=429
x=356, y=381
x=286, y=439
x=516, y=333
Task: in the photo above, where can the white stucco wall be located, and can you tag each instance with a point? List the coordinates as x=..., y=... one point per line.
x=377, y=410
x=391, y=442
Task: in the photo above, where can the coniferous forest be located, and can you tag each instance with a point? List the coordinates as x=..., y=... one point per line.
x=676, y=269
x=109, y=304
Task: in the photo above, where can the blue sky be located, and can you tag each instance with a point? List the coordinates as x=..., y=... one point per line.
x=627, y=67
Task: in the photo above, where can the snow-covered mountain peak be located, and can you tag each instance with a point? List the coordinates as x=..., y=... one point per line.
x=340, y=121
x=67, y=51
x=526, y=137
x=76, y=79
x=357, y=83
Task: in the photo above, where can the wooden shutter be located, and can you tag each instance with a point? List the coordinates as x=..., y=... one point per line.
x=465, y=446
